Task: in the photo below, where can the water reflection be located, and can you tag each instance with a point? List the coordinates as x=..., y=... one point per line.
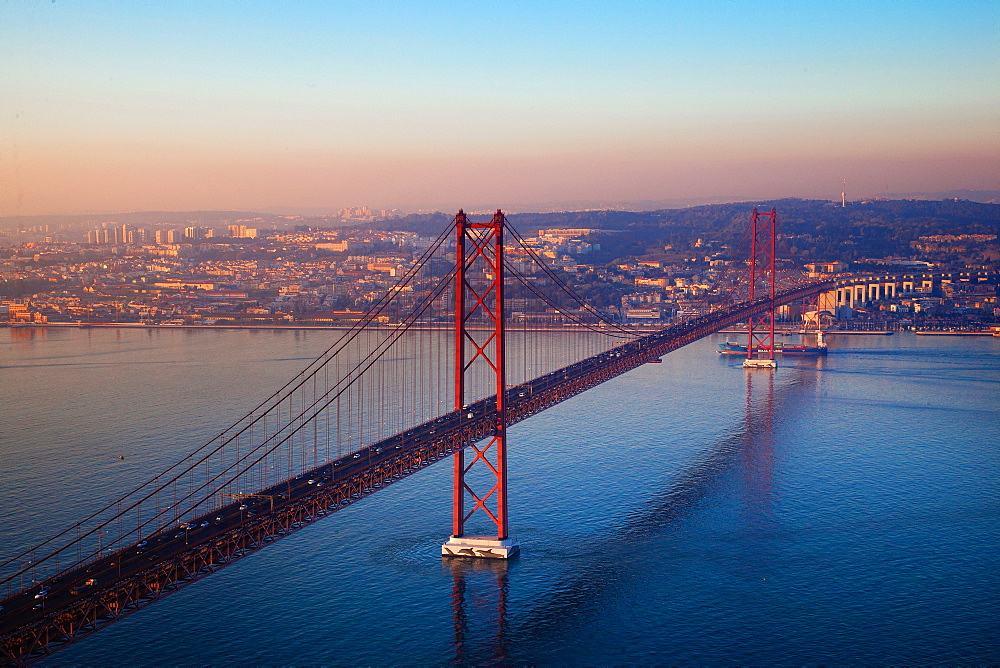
x=479, y=592
x=741, y=463
x=757, y=453
x=28, y=334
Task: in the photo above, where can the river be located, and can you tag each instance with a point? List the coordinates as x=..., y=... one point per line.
x=841, y=510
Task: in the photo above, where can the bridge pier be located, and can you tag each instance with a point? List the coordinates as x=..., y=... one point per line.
x=829, y=300
x=484, y=547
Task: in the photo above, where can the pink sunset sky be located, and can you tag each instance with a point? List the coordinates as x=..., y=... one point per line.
x=111, y=107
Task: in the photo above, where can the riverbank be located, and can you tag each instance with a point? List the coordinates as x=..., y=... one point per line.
x=638, y=328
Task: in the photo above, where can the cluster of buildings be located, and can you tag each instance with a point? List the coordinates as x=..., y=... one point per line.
x=112, y=234
x=194, y=277
x=248, y=276
x=244, y=275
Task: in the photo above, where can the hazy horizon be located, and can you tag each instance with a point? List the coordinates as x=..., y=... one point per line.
x=120, y=107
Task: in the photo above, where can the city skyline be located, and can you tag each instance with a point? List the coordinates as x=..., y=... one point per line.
x=117, y=107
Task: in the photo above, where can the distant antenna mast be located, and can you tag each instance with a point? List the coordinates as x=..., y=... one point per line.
x=843, y=195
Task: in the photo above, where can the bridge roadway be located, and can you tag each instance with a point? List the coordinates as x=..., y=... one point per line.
x=132, y=577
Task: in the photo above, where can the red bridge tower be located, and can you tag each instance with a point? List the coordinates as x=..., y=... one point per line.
x=760, y=331
x=479, y=339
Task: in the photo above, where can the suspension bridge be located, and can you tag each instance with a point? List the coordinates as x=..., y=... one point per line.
x=478, y=335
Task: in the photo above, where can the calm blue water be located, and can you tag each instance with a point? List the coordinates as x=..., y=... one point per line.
x=843, y=510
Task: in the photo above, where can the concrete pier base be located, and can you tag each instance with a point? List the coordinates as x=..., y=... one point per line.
x=480, y=547
x=760, y=364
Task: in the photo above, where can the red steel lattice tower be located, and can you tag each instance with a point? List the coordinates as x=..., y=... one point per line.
x=760, y=331
x=479, y=339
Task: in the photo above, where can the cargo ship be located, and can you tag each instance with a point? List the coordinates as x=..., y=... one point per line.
x=730, y=348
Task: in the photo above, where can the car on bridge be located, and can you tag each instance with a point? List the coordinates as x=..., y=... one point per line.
x=88, y=584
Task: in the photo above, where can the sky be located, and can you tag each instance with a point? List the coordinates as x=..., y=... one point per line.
x=124, y=106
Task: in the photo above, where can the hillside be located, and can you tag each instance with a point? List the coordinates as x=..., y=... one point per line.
x=812, y=229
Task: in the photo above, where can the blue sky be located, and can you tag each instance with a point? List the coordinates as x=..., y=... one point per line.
x=123, y=106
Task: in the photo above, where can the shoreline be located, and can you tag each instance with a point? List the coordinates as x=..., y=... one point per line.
x=931, y=332
x=389, y=327
x=638, y=329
